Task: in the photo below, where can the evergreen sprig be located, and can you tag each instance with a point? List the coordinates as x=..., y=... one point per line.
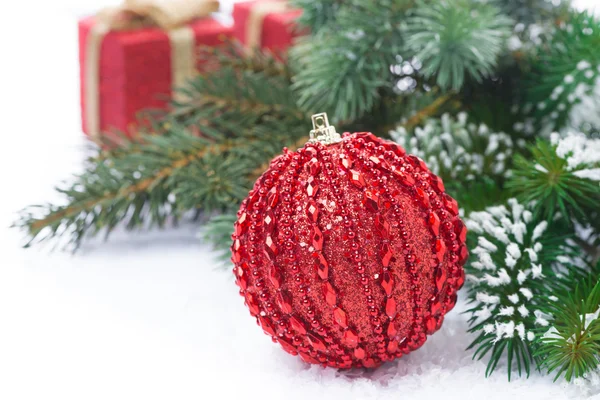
x=528, y=12
x=454, y=147
x=342, y=68
x=563, y=87
x=507, y=265
x=560, y=176
x=522, y=279
x=571, y=347
x=317, y=14
x=472, y=160
x=210, y=145
x=218, y=231
x=456, y=39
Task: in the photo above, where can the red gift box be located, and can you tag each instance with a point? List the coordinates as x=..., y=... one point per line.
x=265, y=24
x=126, y=70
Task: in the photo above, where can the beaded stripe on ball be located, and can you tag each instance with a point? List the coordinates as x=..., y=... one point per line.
x=348, y=251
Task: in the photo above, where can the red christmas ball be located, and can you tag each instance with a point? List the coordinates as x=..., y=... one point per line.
x=349, y=254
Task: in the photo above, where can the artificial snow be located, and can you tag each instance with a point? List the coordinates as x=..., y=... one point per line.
x=577, y=149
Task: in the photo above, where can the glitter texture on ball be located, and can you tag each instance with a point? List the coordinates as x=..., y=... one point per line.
x=349, y=254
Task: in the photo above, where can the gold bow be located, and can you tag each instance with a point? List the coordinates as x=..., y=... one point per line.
x=254, y=25
x=165, y=14
x=169, y=15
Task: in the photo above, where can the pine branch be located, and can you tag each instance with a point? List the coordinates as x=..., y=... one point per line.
x=531, y=11
x=512, y=261
x=562, y=89
x=218, y=233
x=342, y=67
x=472, y=161
x=346, y=66
x=429, y=111
x=208, y=146
x=561, y=176
x=122, y=194
x=317, y=14
x=457, y=38
x=136, y=189
x=229, y=56
x=571, y=347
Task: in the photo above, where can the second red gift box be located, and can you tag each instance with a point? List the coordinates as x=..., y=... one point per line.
x=265, y=24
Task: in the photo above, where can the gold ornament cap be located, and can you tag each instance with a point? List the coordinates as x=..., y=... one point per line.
x=322, y=132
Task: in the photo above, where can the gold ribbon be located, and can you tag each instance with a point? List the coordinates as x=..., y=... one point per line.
x=255, y=21
x=170, y=15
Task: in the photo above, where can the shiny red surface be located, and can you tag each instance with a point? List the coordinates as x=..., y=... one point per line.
x=349, y=254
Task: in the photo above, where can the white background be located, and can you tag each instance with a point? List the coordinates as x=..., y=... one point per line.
x=152, y=316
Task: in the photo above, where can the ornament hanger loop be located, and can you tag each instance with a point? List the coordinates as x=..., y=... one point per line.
x=322, y=132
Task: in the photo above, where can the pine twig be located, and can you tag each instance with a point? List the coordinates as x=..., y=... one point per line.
x=233, y=119
x=124, y=192
x=429, y=111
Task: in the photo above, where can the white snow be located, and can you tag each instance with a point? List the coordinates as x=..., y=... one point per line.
x=521, y=277
x=514, y=298
x=513, y=251
x=532, y=255
x=487, y=299
x=579, y=151
x=591, y=174
x=151, y=316
x=527, y=293
x=523, y=310
x=518, y=230
x=487, y=245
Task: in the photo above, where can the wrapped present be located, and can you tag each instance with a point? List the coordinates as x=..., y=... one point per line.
x=265, y=24
x=134, y=55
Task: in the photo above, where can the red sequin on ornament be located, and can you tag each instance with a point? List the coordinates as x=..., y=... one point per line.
x=387, y=282
x=340, y=317
x=357, y=179
x=297, y=325
x=349, y=254
x=350, y=338
x=329, y=294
